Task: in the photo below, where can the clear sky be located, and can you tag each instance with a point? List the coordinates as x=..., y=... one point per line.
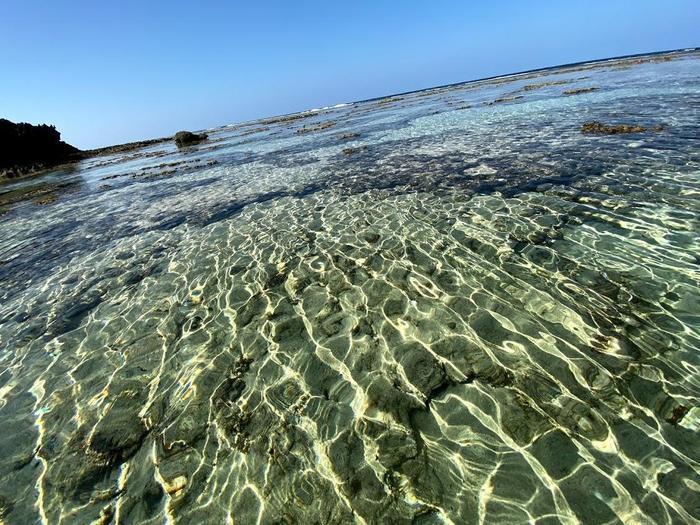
x=106, y=72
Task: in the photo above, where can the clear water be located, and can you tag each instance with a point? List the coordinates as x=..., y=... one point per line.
x=477, y=314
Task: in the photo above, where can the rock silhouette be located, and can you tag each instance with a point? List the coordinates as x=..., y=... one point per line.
x=186, y=138
x=25, y=148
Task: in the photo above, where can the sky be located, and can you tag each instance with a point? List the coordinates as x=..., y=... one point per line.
x=111, y=72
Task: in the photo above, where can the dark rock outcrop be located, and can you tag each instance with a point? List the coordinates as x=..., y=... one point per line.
x=598, y=128
x=187, y=138
x=25, y=148
x=122, y=148
x=352, y=151
x=504, y=99
x=316, y=127
x=579, y=91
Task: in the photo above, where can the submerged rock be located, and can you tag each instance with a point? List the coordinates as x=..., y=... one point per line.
x=353, y=151
x=186, y=138
x=46, y=200
x=598, y=128
x=678, y=413
x=176, y=485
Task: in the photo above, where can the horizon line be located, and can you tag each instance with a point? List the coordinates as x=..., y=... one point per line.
x=412, y=91
x=472, y=81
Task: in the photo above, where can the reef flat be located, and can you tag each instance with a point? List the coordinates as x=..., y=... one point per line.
x=471, y=304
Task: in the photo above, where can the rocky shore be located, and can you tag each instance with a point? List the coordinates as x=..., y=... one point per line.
x=25, y=148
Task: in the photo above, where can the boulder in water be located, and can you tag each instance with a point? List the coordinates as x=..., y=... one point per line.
x=187, y=138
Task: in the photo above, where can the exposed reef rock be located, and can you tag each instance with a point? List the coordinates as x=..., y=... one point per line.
x=598, y=128
x=504, y=99
x=352, y=151
x=25, y=148
x=349, y=136
x=317, y=127
x=187, y=138
x=284, y=119
x=540, y=85
x=122, y=148
x=579, y=91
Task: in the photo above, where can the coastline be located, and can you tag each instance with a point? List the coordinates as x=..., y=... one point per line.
x=25, y=170
x=38, y=167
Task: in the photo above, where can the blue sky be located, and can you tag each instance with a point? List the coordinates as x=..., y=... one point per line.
x=111, y=72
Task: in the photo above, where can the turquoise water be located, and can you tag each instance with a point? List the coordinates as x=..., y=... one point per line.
x=431, y=308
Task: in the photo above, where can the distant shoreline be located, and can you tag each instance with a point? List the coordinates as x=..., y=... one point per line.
x=573, y=66
x=655, y=56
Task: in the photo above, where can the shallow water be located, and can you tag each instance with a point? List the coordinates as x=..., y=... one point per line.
x=468, y=312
